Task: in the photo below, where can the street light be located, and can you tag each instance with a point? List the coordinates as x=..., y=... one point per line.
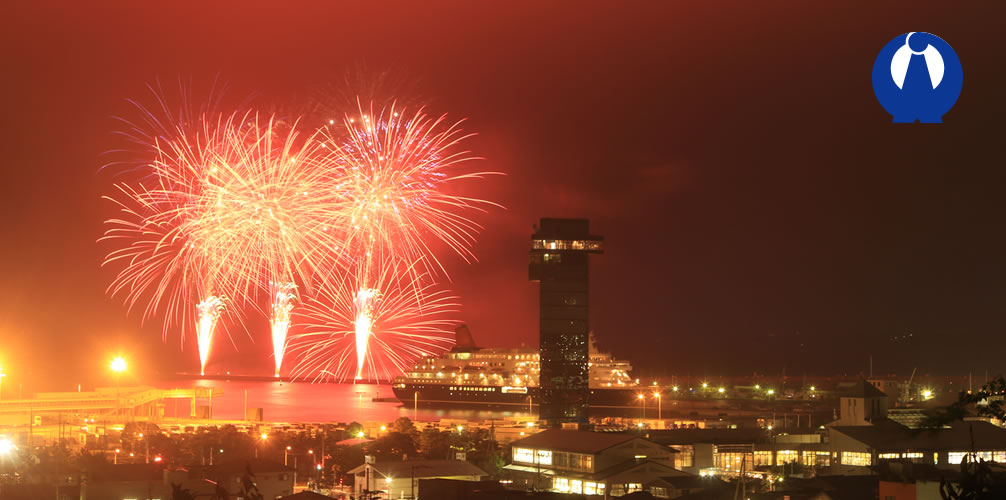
x=262, y=439
x=642, y=404
x=115, y=458
x=118, y=365
x=657, y=395
x=6, y=447
x=286, y=453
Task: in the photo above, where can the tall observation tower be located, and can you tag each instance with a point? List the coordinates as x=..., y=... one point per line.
x=560, y=251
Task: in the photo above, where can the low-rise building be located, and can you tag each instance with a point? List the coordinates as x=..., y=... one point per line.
x=591, y=463
x=401, y=479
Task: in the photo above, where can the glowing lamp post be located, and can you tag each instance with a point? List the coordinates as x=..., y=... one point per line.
x=657, y=396
x=286, y=453
x=642, y=404
x=118, y=366
x=6, y=447
x=262, y=439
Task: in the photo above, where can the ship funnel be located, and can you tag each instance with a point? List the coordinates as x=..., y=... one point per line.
x=463, y=340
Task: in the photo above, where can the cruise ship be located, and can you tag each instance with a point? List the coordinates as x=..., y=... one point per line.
x=494, y=376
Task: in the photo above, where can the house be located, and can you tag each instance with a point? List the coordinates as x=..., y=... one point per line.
x=591, y=463
x=125, y=481
x=401, y=478
x=856, y=448
x=273, y=479
x=861, y=405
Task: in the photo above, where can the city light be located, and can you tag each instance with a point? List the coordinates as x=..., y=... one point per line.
x=264, y=436
x=674, y=389
x=771, y=392
x=6, y=447
x=640, y=396
x=360, y=435
x=927, y=394
x=387, y=480
x=705, y=385
x=461, y=428
x=384, y=428
x=721, y=390
x=118, y=364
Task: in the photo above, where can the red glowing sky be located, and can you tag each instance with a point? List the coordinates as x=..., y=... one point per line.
x=758, y=208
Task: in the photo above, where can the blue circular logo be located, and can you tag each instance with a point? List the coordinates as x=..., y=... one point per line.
x=917, y=77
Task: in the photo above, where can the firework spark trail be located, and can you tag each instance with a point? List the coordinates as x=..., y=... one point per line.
x=210, y=310
x=399, y=317
x=363, y=324
x=284, y=296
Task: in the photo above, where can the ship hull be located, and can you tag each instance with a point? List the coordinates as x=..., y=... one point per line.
x=445, y=395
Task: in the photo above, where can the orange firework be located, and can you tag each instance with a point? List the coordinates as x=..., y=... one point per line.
x=239, y=204
x=392, y=170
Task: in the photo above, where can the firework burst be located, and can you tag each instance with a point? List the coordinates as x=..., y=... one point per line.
x=392, y=171
x=222, y=212
x=372, y=324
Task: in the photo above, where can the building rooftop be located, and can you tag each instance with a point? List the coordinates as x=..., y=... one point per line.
x=713, y=436
x=864, y=389
x=886, y=434
x=255, y=465
x=574, y=441
x=306, y=495
x=127, y=472
x=424, y=468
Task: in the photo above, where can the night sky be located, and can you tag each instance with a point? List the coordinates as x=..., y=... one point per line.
x=759, y=210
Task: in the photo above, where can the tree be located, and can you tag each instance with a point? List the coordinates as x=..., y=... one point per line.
x=354, y=429
x=434, y=443
x=345, y=459
x=393, y=445
x=978, y=481
x=404, y=426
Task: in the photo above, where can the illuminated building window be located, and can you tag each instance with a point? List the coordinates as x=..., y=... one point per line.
x=633, y=487
x=763, y=458
x=560, y=484
x=544, y=457
x=590, y=488
x=786, y=457
x=889, y=456
x=956, y=457
x=576, y=486
x=856, y=458
x=523, y=455
x=685, y=457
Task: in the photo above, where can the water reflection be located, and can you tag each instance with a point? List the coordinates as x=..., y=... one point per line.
x=306, y=402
